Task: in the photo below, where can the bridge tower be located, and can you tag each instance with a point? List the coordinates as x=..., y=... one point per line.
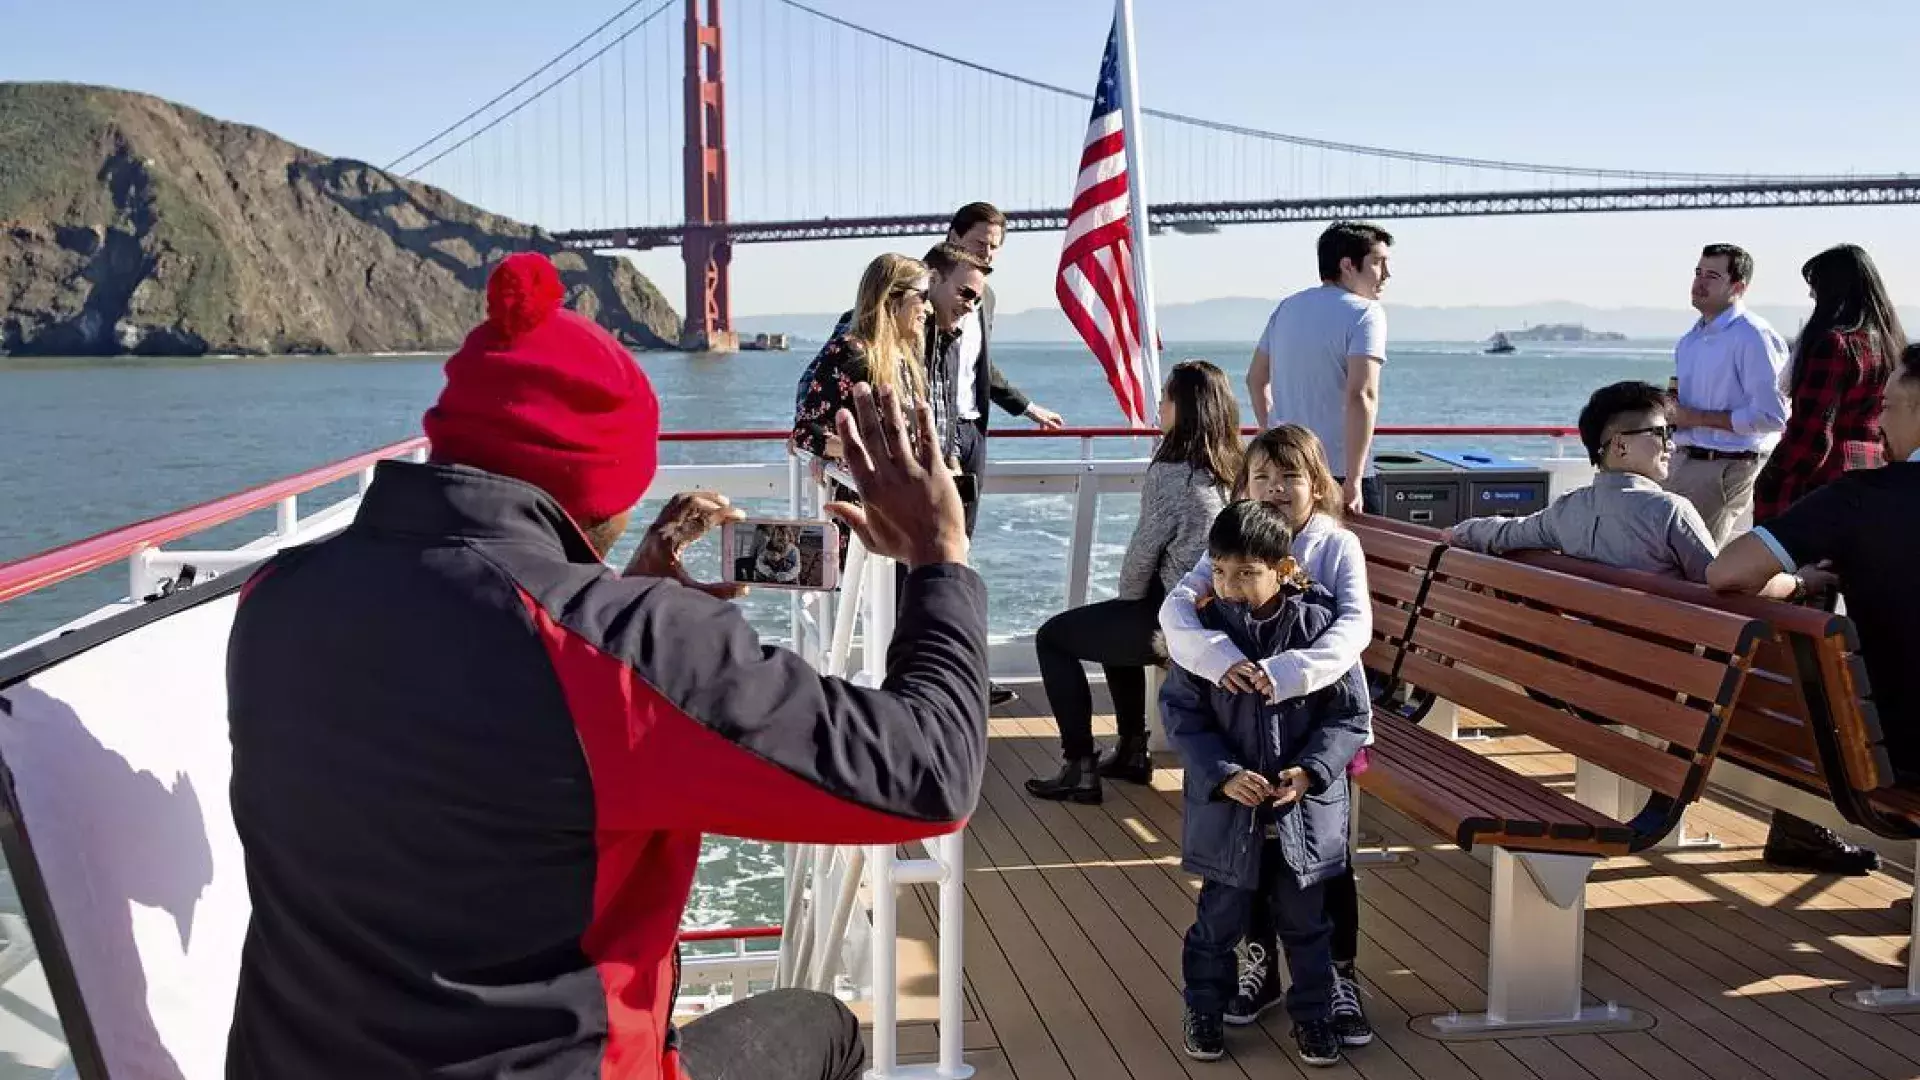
x=704, y=245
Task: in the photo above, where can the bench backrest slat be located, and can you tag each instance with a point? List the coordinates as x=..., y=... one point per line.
x=1820, y=653
x=1477, y=641
x=1640, y=685
x=1587, y=598
x=1620, y=754
x=1850, y=709
x=1622, y=653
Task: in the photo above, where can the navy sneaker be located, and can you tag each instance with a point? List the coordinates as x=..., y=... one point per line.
x=1317, y=1043
x=1349, y=1019
x=1259, y=985
x=1206, y=1039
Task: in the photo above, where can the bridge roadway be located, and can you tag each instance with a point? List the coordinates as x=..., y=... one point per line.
x=1207, y=217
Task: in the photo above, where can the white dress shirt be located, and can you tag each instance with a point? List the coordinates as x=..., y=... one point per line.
x=1734, y=364
x=967, y=366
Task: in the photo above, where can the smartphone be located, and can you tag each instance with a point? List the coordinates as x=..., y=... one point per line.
x=781, y=553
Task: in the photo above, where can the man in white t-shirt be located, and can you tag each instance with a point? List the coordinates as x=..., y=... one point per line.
x=1318, y=364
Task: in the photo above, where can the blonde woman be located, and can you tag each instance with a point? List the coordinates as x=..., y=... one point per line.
x=878, y=343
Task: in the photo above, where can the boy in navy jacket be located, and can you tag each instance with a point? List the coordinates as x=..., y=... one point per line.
x=1266, y=786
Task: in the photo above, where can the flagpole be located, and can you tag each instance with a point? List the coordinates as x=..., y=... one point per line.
x=1137, y=200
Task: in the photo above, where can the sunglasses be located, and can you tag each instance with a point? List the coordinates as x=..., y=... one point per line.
x=1664, y=432
x=967, y=294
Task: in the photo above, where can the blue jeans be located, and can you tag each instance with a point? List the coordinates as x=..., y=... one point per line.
x=1299, y=915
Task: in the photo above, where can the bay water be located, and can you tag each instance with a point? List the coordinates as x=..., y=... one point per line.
x=87, y=445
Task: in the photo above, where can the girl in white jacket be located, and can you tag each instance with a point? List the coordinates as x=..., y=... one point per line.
x=1286, y=467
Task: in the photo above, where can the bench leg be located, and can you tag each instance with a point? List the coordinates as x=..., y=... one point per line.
x=1535, y=950
x=1444, y=719
x=1621, y=799
x=1903, y=999
x=1366, y=851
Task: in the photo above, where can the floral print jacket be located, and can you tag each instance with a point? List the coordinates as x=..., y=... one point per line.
x=826, y=387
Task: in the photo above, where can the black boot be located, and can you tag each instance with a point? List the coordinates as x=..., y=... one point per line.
x=1797, y=844
x=1128, y=760
x=1078, y=780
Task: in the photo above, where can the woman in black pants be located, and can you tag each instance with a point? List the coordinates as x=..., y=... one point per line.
x=1198, y=456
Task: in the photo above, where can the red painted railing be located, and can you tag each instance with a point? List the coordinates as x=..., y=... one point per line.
x=36, y=572
x=731, y=933
x=1503, y=431
x=48, y=568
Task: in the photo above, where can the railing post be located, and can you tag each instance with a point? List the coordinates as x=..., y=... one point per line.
x=878, y=633
x=1086, y=522
x=366, y=479
x=140, y=575
x=796, y=508
x=847, y=608
x=880, y=863
x=286, y=518
x=953, y=921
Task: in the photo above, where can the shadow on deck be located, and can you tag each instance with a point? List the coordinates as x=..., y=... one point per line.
x=1076, y=914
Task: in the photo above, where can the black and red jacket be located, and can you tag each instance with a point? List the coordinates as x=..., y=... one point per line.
x=472, y=768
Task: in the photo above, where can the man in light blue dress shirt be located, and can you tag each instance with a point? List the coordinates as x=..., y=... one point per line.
x=1732, y=403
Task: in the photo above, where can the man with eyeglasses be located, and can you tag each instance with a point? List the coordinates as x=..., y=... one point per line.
x=1624, y=518
x=958, y=282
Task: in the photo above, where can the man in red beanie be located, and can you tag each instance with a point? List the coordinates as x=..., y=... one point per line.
x=472, y=766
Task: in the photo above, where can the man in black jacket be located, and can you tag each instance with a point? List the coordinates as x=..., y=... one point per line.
x=980, y=229
x=973, y=379
x=472, y=765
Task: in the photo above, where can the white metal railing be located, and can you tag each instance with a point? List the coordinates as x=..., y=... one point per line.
x=841, y=926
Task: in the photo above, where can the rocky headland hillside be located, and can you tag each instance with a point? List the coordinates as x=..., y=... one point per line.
x=131, y=225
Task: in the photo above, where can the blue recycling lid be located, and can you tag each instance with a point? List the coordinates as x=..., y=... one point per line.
x=1480, y=461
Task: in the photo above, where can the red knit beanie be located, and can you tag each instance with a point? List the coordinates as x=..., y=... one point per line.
x=544, y=395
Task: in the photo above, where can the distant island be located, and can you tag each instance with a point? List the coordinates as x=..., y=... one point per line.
x=1560, y=332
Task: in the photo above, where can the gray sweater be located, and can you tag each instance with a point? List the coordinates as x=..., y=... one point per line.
x=1177, y=506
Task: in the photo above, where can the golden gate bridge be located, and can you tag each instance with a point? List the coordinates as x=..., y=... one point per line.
x=625, y=141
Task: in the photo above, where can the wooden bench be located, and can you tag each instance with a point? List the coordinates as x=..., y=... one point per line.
x=1492, y=635
x=1805, y=725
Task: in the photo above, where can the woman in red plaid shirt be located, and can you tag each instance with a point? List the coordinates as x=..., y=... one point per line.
x=1840, y=368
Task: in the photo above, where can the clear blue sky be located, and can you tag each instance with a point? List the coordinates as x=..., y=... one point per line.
x=1764, y=87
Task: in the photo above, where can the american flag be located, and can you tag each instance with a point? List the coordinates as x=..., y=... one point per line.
x=1096, y=285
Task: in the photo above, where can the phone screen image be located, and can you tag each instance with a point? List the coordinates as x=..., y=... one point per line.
x=783, y=554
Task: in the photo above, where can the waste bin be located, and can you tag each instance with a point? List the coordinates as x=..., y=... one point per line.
x=1496, y=486
x=1417, y=488
x=1445, y=487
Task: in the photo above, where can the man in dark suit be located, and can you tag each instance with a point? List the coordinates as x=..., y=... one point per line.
x=966, y=369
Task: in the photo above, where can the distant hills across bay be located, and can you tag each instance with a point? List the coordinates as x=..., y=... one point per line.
x=1243, y=318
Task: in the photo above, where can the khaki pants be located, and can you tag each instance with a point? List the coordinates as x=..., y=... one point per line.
x=1721, y=489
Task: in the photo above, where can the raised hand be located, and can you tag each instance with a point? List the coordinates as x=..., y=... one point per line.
x=909, y=509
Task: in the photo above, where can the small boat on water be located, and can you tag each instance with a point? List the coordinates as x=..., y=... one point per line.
x=1500, y=343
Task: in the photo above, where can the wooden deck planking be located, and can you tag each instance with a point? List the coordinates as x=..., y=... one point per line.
x=1678, y=913
x=1076, y=914
x=1164, y=815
